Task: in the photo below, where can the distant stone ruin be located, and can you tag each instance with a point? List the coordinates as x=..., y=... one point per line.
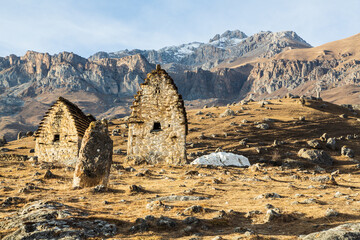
x=158, y=123
x=59, y=136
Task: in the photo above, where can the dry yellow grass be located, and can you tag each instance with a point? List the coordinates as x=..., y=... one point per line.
x=236, y=189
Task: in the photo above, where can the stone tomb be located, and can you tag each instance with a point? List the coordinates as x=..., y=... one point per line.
x=158, y=123
x=60, y=132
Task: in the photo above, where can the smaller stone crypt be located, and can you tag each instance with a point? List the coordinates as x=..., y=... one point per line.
x=60, y=132
x=158, y=123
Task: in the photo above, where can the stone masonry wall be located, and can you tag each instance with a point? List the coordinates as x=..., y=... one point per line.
x=64, y=149
x=158, y=124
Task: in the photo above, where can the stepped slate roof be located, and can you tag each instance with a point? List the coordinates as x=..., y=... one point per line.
x=81, y=120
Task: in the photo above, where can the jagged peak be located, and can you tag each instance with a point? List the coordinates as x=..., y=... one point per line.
x=280, y=35
x=229, y=34
x=31, y=55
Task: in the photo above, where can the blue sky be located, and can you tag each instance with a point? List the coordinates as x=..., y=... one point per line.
x=88, y=26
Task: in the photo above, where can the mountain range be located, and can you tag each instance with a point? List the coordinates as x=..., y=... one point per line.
x=228, y=68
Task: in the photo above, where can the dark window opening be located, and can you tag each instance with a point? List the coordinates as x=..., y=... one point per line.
x=56, y=138
x=156, y=127
x=174, y=139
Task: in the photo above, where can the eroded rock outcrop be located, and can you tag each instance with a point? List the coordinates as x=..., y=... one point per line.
x=54, y=220
x=347, y=231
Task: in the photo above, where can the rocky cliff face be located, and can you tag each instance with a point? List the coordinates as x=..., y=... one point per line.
x=203, y=84
x=226, y=47
x=289, y=75
x=36, y=73
x=30, y=83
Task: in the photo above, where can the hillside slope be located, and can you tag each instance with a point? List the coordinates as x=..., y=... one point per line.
x=234, y=202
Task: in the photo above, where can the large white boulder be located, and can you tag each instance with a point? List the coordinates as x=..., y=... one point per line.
x=223, y=159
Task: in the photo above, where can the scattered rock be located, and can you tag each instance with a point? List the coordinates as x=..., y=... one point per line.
x=302, y=118
x=343, y=116
x=115, y=132
x=338, y=194
x=331, y=213
x=118, y=151
x=140, y=226
x=199, y=113
x=192, y=173
x=349, y=231
x=228, y=112
x=314, y=144
x=255, y=167
x=277, y=143
x=191, y=220
x=345, y=151
x=218, y=238
x=349, y=137
x=136, y=189
x=99, y=188
x=179, y=198
x=263, y=126
x=316, y=156
x=324, y=137
x=166, y=222
x=319, y=169
x=157, y=205
x=49, y=175
x=268, y=195
x=194, y=209
x=272, y=214
x=331, y=143
x=269, y=120
x=253, y=213
x=201, y=137
x=29, y=187
x=321, y=179
x=219, y=149
x=269, y=206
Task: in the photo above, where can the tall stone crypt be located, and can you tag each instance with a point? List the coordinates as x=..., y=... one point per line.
x=158, y=123
x=60, y=132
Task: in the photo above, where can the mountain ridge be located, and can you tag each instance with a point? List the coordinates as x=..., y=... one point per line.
x=105, y=86
x=227, y=46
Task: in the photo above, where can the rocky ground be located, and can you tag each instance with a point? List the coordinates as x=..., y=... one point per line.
x=281, y=196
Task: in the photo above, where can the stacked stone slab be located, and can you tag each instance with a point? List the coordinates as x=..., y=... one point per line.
x=59, y=136
x=158, y=123
x=95, y=157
